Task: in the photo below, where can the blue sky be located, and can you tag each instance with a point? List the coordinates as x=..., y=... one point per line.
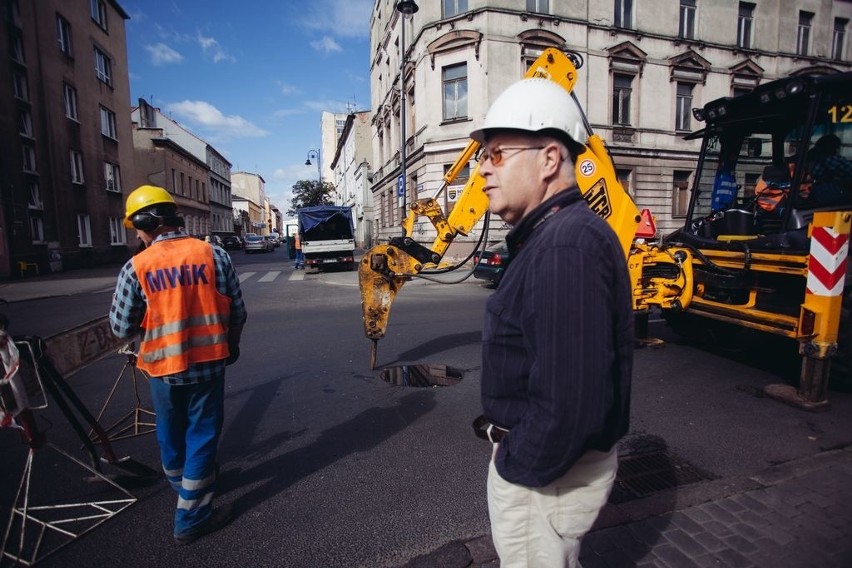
x=252, y=78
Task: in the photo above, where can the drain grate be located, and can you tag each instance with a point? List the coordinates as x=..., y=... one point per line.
x=643, y=474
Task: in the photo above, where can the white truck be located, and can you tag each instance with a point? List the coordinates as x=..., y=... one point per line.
x=327, y=236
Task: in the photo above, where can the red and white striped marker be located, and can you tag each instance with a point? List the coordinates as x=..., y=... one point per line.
x=827, y=264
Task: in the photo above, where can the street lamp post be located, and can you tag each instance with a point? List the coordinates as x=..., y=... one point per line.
x=317, y=154
x=407, y=8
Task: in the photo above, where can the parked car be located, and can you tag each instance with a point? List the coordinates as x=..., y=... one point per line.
x=232, y=242
x=275, y=238
x=214, y=239
x=492, y=263
x=256, y=243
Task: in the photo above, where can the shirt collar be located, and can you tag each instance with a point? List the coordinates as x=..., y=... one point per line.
x=516, y=237
x=169, y=235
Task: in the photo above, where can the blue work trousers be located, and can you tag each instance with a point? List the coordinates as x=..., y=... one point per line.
x=189, y=422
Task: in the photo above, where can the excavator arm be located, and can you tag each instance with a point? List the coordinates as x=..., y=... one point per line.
x=385, y=268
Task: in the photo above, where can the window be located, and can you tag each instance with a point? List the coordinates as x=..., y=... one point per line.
x=680, y=193
x=84, y=230
x=683, y=106
x=622, y=88
x=686, y=29
x=35, y=201
x=624, y=14
x=454, y=79
x=838, y=39
x=76, y=167
x=29, y=158
x=103, y=67
x=99, y=13
x=25, y=123
x=18, y=48
x=22, y=89
x=117, y=233
x=538, y=6
x=112, y=177
x=108, y=123
x=803, y=34
x=749, y=185
x=63, y=35
x=454, y=8
x=624, y=177
x=37, y=229
x=70, y=101
x=744, y=23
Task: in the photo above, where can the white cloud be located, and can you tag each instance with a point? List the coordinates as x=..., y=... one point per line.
x=286, y=88
x=162, y=54
x=213, y=49
x=209, y=117
x=327, y=105
x=326, y=44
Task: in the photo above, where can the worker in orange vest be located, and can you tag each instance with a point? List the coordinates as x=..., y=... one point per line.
x=300, y=257
x=183, y=296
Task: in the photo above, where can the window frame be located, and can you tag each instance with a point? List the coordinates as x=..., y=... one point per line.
x=36, y=229
x=538, y=6
x=108, y=127
x=745, y=25
x=63, y=35
x=455, y=83
x=17, y=52
x=29, y=160
x=21, y=85
x=838, y=38
x=117, y=232
x=77, y=171
x=458, y=7
x=35, y=201
x=803, y=33
x=687, y=19
x=112, y=176
x=25, y=123
x=623, y=14
x=683, y=106
x=84, y=230
x=680, y=193
x=69, y=93
x=98, y=12
x=103, y=66
x=624, y=107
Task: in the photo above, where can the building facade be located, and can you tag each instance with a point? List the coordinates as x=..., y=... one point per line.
x=351, y=170
x=249, y=195
x=641, y=75
x=66, y=150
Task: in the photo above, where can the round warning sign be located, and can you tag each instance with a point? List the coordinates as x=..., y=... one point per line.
x=587, y=168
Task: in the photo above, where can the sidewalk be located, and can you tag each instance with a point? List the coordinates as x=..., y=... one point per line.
x=796, y=514
x=64, y=283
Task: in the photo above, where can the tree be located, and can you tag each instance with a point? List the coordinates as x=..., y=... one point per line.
x=308, y=193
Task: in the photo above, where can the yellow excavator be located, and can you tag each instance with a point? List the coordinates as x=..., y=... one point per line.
x=732, y=265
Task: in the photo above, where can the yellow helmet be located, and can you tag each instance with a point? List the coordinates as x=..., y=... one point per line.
x=142, y=197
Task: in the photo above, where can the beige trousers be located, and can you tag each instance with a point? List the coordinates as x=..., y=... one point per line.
x=541, y=527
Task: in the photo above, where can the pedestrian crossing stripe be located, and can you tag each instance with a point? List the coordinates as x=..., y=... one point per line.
x=270, y=276
x=245, y=276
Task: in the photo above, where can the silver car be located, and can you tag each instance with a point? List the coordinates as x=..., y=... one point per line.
x=256, y=243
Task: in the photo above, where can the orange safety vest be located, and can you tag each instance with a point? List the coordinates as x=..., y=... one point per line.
x=298, y=244
x=770, y=195
x=187, y=318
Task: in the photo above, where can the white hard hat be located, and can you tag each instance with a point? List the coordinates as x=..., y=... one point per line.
x=534, y=105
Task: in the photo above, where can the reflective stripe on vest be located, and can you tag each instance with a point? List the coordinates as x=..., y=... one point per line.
x=769, y=197
x=186, y=320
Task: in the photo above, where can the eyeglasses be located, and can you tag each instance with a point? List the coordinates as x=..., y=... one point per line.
x=496, y=155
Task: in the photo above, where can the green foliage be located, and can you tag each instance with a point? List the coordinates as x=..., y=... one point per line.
x=308, y=193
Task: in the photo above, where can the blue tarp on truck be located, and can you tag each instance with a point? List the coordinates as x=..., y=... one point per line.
x=333, y=215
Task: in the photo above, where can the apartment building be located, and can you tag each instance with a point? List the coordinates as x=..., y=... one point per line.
x=66, y=146
x=200, y=181
x=351, y=171
x=641, y=76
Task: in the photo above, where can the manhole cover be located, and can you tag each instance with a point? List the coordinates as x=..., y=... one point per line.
x=421, y=376
x=643, y=474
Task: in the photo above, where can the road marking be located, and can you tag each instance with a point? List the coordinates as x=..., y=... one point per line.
x=270, y=276
x=246, y=275
x=297, y=275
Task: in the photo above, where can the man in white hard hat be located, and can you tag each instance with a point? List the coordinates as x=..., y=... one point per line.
x=558, y=334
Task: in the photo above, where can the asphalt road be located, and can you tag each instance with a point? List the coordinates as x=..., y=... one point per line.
x=330, y=466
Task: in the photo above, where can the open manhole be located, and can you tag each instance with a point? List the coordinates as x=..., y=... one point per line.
x=421, y=376
x=643, y=474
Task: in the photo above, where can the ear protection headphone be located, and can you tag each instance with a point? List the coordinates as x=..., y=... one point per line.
x=148, y=221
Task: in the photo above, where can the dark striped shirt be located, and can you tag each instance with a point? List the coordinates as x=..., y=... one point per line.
x=558, y=342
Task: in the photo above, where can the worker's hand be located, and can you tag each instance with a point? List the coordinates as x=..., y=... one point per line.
x=234, y=348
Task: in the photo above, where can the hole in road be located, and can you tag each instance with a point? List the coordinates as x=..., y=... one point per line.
x=421, y=376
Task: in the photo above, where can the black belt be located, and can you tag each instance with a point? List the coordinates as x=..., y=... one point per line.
x=488, y=431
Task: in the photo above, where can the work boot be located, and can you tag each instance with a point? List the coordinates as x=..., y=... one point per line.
x=221, y=517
